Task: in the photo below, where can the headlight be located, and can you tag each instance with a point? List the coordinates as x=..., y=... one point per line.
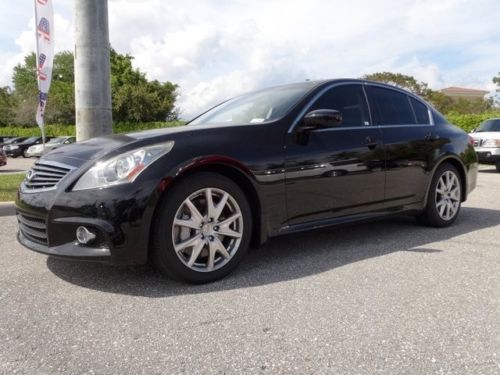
x=491, y=143
x=123, y=168
x=13, y=147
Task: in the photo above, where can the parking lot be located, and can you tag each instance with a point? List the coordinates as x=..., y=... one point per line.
x=17, y=165
x=388, y=297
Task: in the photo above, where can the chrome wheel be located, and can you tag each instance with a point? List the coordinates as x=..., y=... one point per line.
x=207, y=230
x=448, y=195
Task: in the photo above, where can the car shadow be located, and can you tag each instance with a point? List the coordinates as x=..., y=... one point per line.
x=284, y=258
x=491, y=170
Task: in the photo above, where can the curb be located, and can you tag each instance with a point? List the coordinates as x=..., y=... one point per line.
x=7, y=209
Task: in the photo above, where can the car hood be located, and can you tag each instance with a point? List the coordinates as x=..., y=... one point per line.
x=485, y=135
x=78, y=153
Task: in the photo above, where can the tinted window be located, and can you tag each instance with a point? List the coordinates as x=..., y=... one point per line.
x=390, y=107
x=421, y=112
x=349, y=100
x=489, y=126
x=439, y=119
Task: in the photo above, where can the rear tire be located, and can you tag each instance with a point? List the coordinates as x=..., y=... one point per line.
x=202, y=229
x=444, y=199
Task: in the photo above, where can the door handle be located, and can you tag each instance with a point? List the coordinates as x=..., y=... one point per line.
x=431, y=137
x=370, y=143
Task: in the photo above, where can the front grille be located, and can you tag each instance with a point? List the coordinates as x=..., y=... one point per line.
x=45, y=175
x=33, y=228
x=478, y=142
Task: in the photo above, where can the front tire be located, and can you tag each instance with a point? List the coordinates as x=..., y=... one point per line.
x=444, y=199
x=202, y=229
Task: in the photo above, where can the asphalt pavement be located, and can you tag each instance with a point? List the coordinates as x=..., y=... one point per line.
x=388, y=297
x=17, y=165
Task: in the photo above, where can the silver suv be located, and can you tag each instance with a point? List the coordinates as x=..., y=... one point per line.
x=487, y=142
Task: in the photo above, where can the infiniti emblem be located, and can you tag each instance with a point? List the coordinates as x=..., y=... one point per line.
x=30, y=175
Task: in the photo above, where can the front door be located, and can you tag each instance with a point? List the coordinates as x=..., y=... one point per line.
x=334, y=172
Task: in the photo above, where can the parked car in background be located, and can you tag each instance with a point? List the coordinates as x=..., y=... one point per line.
x=194, y=198
x=487, y=142
x=3, y=158
x=38, y=149
x=12, y=141
x=4, y=139
x=19, y=149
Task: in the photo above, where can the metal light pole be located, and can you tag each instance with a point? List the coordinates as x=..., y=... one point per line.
x=92, y=69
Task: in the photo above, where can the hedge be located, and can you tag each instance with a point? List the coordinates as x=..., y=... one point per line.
x=61, y=130
x=466, y=122
x=470, y=121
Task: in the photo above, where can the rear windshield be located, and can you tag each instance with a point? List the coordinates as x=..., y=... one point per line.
x=489, y=126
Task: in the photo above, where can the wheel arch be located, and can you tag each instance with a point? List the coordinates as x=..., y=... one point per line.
x=458, y=164
x=227, y=168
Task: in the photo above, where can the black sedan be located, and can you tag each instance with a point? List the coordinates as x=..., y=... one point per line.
x=20, y=148
x=194, y=198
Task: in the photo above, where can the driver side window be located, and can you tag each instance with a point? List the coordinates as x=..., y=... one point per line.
x=349, y=100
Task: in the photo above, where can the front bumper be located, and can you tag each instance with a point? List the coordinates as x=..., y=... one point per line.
x=120, y=217
x=14, y=153
x=488, y=155
x=31, y=154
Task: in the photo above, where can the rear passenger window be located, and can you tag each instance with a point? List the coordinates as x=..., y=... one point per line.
x=390, y=107
x=421, y=112
x=349, y=100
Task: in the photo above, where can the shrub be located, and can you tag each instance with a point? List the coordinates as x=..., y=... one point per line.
x=470, y=121
x=56, y=130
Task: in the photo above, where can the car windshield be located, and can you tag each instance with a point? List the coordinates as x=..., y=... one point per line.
x=31, y=140
x=256, y=107
x=56, y=140
x=489, y=126
x=15, y=140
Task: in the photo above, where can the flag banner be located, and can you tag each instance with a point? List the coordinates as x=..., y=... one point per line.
x=44, y=18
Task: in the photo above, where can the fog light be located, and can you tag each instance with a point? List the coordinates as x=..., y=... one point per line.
x=84, y=236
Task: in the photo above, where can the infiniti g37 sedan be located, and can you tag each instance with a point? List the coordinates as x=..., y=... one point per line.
x=194, y=198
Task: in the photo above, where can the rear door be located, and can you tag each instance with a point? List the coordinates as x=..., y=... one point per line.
x=409, y=139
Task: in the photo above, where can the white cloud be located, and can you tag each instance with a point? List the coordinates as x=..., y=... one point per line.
x=218, y=49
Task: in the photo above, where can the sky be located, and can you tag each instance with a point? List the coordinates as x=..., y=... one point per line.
x=216, y=49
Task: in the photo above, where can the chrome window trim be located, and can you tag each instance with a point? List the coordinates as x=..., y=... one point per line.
x=408, y=94
x=364, y=84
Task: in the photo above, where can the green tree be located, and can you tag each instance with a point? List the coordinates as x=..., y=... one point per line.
x=496, y=81
x=402, y=81
x=135, y=99
x=440, y=101
x=7, y=104
x=60, y=107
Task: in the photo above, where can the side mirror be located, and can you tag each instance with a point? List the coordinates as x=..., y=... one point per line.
x=323, y=118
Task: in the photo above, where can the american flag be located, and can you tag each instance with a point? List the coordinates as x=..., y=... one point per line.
x=42, y=96
x=42, y=2
x=41, y=60
x=44, y=29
